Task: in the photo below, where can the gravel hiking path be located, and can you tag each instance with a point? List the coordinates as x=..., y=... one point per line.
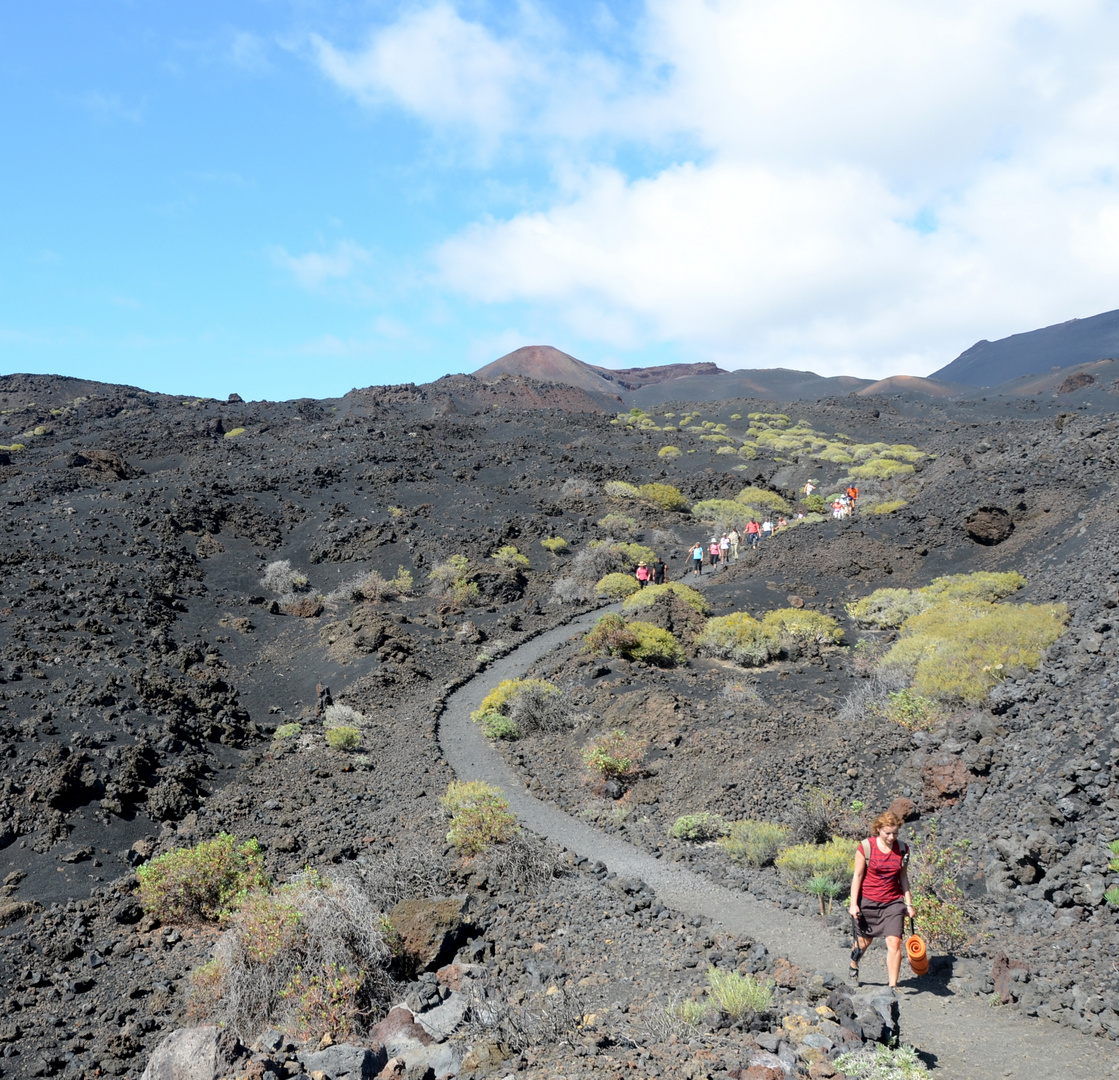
x=968, y=1039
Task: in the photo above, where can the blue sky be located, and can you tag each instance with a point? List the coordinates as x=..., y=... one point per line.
x=289, y=198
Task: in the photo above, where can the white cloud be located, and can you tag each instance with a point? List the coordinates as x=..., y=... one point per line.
x=858, y=184
x=434, y=63
x=317, y=269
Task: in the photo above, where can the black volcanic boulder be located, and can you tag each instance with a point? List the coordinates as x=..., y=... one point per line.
x=107, y=464
x=989, y=525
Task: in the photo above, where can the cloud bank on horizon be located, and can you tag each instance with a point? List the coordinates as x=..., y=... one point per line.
x=847, y=186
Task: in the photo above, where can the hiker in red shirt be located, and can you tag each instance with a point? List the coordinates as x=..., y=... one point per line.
x=880, y=896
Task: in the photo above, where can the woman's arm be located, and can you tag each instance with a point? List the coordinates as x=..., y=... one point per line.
x=857, y=880
x=906, y=895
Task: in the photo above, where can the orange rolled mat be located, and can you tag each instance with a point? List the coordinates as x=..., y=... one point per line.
x=918, y=955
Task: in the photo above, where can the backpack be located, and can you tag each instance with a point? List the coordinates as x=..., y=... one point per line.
x=864, y=847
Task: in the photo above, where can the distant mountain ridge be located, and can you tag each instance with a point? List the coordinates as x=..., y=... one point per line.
x=1078, y=341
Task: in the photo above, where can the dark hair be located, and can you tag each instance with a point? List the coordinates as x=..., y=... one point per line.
x=887, y=817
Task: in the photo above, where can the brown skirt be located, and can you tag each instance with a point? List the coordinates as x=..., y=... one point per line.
x=881, y=920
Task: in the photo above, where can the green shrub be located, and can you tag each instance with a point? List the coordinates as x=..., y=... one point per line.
x=617, y=524
x=983, y=586
x=1113, y=864
x=726, y=450
x=887, y=507
x=655, y=646
x=450, y=580
x=619, y=489
x=14, y=448
x=826, y=888
x=202, y=882
x=698, y=827
x=1112, y=896
x=669, y=453
x=287, y=731
x=497, y=726
x=494, y=712
x=617, y=586
x=610, y=634
x=934, y=871
x=888, y=608
x=343, y=737
x=509, y=557
x=814, y=504
x=803, y=862
x=640, y=599
x=748, y=451
x=310, y=958
x=910, y=710
x=480, y=817
x=756, y=843
x=740, y=996
x=717, y=438
x=557, y=545
x=803, y=626
x=959, y=651
x=234, y=432
x=628, y=553
x=615, y=755
x=724, y=512
x=739, y=637
x=686, y=1012
x=879, y=1062
x=664, y=496
x=756, y=496
x=881, y=469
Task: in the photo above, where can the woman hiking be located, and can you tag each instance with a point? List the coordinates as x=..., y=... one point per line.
x=880, y=896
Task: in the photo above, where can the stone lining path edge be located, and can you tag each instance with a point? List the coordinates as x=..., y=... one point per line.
x=970, y=1039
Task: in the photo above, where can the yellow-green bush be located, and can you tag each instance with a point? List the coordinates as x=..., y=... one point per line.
x=655, y=646
x=634, y=553
x=647, y=597
x=982, y=585
x=698, y=827
x=501, y=698
x=887, y=507
x=509, y=557
x=615, y=755
x=959, y=650
x=834, y=860
x=617, y=524
x=202, y=882
x=888, y=608
x=716, y=438
x=739, y=637
x=617, y=586
x=668, y=453
x=557, y=545
x=664, y=496
x=619, y=489
x=756, y=496
x=725, y=512
x=881, y=469
x=287, y=731
x=748, y=451
x=343, y=737
x=803, y=626
x=740, y=996
x=480, y=816
x=756, y=843
x=234, y=432
x=726, y=450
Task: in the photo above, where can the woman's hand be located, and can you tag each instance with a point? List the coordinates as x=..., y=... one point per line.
x=854, y=910
x=910, y=911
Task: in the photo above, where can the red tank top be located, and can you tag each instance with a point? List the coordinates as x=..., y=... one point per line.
x=883, y=875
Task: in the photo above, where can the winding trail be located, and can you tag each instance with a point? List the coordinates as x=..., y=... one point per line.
x=970, y=1040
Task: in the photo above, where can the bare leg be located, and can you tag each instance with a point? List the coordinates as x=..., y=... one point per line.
x=893, y=959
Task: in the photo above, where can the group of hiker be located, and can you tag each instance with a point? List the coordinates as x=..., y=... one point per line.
x=724, y=549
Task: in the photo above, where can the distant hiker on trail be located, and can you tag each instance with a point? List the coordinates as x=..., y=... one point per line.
x=713, y=552
x=852, y=496
x=838, y=510
x=643, y=574
x=809, y=488
x=880, y=896
x=696, y=553
x=767, y=529
x=724, y=549
x=660, y=571
x=753, y=533
x=782, y=523
x=734, y=539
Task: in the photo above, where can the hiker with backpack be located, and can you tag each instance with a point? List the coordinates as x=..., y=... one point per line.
x=880, y=896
